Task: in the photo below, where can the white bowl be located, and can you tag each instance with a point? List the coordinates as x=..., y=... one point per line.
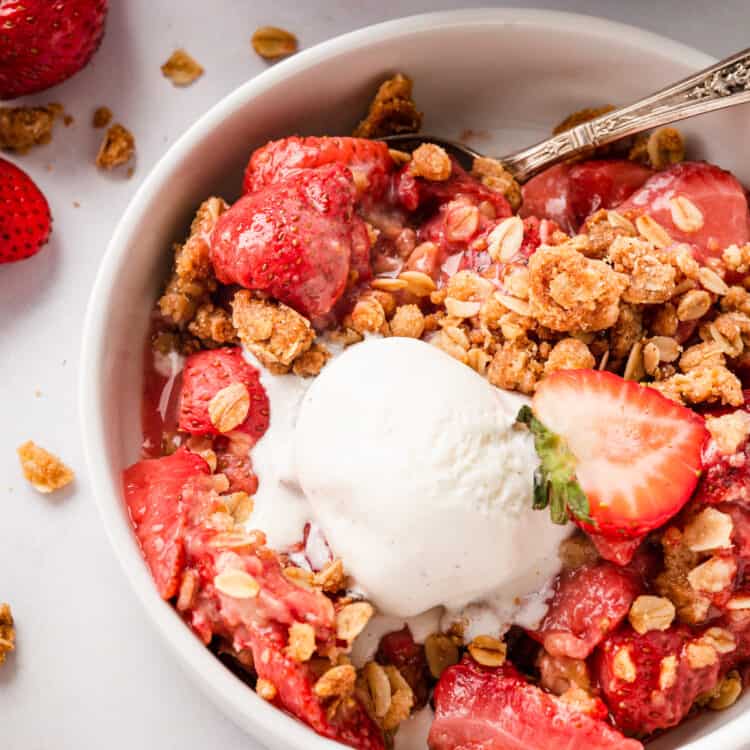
x=508, y=76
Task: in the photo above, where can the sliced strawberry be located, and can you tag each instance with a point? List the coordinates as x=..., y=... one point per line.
x=496, y=709
x=153, y=493
x=347, y=723
x=369, y=161
x=589, y=603
x=618, y=551
x=43, y=43
x=399, y=649
x=25, y=220
x=716, y=193
x=618, y=456
x=642, y=690
x=294, y=239
x=205, y=374
x=568, y=193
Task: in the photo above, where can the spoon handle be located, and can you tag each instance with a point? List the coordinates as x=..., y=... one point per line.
x=725, y=84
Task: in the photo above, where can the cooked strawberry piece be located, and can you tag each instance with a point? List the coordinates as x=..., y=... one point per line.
x=568, y=193
x=496, y=709
x=205, y=374
x=399, y=649
x=726, y=480
x=294, y=239
x=415, y=192
x=607, y=443
x=43, y=43
x=589, y=602
x=25, y=221
x=347, y=723
x=642, y=690
x=618, y=551
x=234, y=461
x=153, y=493
x=718, y=196
x=369, y=161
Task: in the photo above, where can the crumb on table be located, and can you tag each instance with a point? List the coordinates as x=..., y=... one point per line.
x=102, y=117
x=181, y=68
x=271, y=42
x=7, y=632
x=118, y=147
x=45, y=471
x=22, y=128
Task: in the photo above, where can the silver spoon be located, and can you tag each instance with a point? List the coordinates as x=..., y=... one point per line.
x=725, y=84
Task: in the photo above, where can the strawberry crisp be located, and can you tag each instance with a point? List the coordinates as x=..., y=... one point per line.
x=432, y=459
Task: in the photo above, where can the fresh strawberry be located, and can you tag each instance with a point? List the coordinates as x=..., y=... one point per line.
x=717, y=195
x=153, y=493
x=399, y=649
x=496, y=709
x=43, y=42
x=589, y=602
x=568, y=193
x=643, y=692
x=205, y=374
x=25, y=221
x=347, y=722
x=294, y=239
x=618, y=457
x=369, y=161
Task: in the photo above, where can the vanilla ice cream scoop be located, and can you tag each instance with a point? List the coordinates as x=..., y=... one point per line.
x=420, y=480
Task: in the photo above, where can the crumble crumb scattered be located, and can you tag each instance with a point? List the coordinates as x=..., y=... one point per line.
x=581, y=116
x=45, y=471
x=7, y=632
x=271, y=42
x=181, y=68
x=118, y=147
x=102, y=117
x=22, y=128
x=392, y=111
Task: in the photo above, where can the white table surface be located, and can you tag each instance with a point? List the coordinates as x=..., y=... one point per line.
x=89, y=671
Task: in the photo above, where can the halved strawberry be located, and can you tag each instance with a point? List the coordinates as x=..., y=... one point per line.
x=589, y=602
x=618, y=457
x=153, y=494
x=717, y=194
x=205, y=374
x=568, y=193
x=496, y=709
x=295, y=239
x=369, y=161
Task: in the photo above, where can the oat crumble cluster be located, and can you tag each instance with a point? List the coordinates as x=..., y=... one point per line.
x=7, y=632
x=528, y=297
x=43, y=470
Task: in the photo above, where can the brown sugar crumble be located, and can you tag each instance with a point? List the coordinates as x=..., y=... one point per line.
x=7, y=632
x=392, y=110
x=102, y=117
x=118, y=147
x=271, y=42
x=45, y=471
x=181, y=68
x=22, y=128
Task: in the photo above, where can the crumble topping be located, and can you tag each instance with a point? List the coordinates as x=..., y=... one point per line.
x=181, y=69
x=272, y=43
x=45, y=471
x=7, y=632
x=22, y=128
x=392, y=111
x=118, y=147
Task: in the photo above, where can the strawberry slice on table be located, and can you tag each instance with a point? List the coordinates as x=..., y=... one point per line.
x=43, y=43
x=719, y=214
x=496, y=709
x=568, y=193
x=153, y=494
x=205, y=374
x=25, y=220
x=651, y=681
x=294, y=239
x=589, y=602
x=616, y=456
x=369, y=161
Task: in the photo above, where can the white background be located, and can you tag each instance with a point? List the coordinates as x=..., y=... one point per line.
x=89, y=671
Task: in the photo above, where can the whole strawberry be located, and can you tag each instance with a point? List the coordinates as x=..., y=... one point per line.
x=44, y=42
x=25, y=220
